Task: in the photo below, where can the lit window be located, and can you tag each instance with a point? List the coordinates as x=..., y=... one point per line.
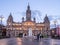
x=36, y=28
x=52, y=31
x=41, y=28
x=16, y=24
x=20, y=28
x=17, y=28
x=13, y=28
x=9, y=24
x=13, y=24
x=19, y=24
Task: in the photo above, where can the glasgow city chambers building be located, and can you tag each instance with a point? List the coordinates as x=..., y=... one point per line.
x=16, y=28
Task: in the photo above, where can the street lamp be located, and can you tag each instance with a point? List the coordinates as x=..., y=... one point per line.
x=55, y=27
x=1, y=18
x=55, y=23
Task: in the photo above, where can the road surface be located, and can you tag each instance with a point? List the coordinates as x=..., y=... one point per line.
x=28, y=41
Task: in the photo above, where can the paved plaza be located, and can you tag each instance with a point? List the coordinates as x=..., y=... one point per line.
x=27, y=41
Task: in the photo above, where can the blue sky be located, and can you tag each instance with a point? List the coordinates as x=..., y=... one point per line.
x=39, y=9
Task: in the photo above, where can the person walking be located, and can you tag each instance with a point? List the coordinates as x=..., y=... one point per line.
x=37, y=36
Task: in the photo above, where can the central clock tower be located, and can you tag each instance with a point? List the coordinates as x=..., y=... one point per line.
x=28, y=13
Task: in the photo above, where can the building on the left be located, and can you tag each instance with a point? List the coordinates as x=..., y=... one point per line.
x=2, y=31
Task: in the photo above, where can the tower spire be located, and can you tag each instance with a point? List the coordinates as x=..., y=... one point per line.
x=28, y=6
x=28, y=13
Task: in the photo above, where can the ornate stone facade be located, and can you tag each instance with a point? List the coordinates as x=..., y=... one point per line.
x=16, y=28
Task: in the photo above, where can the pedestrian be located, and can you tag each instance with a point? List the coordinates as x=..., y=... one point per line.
x=9, y=35
x=37, y=36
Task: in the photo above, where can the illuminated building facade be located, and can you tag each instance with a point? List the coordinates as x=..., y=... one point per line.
x=16, y=28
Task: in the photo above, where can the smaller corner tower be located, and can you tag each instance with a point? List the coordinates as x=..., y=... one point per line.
x=47, y=22
x=22, y=19
x=34, y=19
x=10, y=19
x=46, y=19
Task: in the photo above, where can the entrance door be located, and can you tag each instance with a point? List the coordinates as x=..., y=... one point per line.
x=20, y=34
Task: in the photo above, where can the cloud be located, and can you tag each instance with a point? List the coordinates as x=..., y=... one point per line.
x=37, y=14
x=53, y=18
x=34, y=13
x=17, y=16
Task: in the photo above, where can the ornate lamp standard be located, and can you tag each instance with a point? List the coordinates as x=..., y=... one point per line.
x=55, y=27
x=55, y=23
x=1, y=18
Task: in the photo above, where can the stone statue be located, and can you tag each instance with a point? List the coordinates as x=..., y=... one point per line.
x=30, y=32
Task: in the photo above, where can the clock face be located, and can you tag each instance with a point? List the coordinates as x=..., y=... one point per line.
x=28, y=14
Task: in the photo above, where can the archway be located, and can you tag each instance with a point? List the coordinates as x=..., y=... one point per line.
x=20, y=34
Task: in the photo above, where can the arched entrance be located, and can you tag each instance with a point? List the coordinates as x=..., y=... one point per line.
x=20, y=34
